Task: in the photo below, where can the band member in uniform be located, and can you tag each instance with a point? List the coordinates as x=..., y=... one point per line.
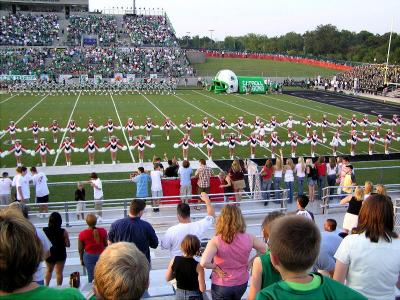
x=187, y=125
x=308, y=123
x=222, y=125
x=210, y=142
x=273, y=142
x=364, y=124
x=167, y=126
x=185, y=142
x=149, y=125
x=232, y=141
x=114, y=145
x=313, y=140
x=43, y=149
x=141, y=144
x=18, y=150
x=55, y=128
x=294, y=142
x=91, y=146
x=68, y=147
x=34, y=127
x=336, y=141
x=130, y=126
x=353, y=140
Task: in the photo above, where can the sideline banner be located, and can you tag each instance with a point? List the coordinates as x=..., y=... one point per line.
x=97, y=78
x=255, y=84
x=130, y=77
x=17, y=77
x=83, y=79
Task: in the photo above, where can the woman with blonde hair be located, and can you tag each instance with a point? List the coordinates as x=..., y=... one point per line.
x=301, y=174
x=91, y=243
x=355, y=201
x=312, y=176
x=380, y=189
x=278, y=171
x=227, y=254
x=368, y=188
x=288, y=170
x=236, y=175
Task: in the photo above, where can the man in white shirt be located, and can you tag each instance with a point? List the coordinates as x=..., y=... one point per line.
x=173, y=237
x=5, y=189
x=156, y=187
x=22, y=186
x=39, y=180
x=98, y=195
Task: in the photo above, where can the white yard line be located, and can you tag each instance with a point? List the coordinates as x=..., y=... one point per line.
x=122, y=129
x=212, y=116
x=255, y=114
x=325, y=112
x=26, y=113
x=165, y=116
x=9, y=98
x=65, y=132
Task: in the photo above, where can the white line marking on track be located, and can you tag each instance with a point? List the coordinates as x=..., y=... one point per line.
x=27, y=112
x=65, y=132
x=122, y=129
x=165, y=116
x=9, y=98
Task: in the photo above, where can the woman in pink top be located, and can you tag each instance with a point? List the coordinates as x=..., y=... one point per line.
x=227, y=254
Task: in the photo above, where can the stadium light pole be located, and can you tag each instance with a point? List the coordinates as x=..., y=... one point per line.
x=134, y=7
x=388, y=53
x=187, y=38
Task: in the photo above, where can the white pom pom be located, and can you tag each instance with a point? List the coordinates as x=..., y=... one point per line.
x=41, y=129
x=84, y=129
x=287, y=142
x=162, y=128
x=212, y=124
x=29, y=151
x=32, y=153
x=52, y=152
x=118, y=127
x=18, y=130
x=152, y=146
x=58, y=150
x=136, y=127
x=244, y=143
x=141, y=127
x=176, y=146
x=46, y=129
x=343, y=144
x=102, y=150
x=324, y=140
x=156, y=126
x=195, y=145
x=217, y=127
x=124, y=148
x=232, y=124
x=81, y=150
x=98, y=129
x=2, y=132
x=181, y=125
x=78, y=129
x=131, y=147
x=76, y=150
x=25, y=128
x=201, y=145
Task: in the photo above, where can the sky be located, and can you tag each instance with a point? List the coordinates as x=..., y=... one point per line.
x=272, y=18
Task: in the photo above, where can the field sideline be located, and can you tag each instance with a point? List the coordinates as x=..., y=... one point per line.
x=194, y=104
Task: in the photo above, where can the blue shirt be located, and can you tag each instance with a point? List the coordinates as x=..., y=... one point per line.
x=185, y=174
x=134, y=230
x=142, y=180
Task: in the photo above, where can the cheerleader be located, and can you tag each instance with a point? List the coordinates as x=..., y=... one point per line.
x=34, y=127
x=12, y=129
x=72, y=128
x=149, y=125
x=273, y=142
x=18, y=150
x=140, y=143
x=110, y=127
x=339, y=123
x=364, y=124
x=273, y=123
x=205, y=124
x=55, y=128
x=336, y=141
x=289, y=125
x=371, y=142
x=388, y=140
x=257, y=123
x=232, y=141
x=353, y=140
x=379, y=122
x=187, y=125
x=253, y=141
x=90, y=146
x=113, y=145
x=68, y=147
x=395, y=122
x=167, y=126
x=43, y=149
x=308, y=123
x=314, y=140
x=324, y=124
x=185, y=142
x=353, y=122
x=91, y=127
x=294, y=141
x=260, y=132
x=239, y=125
x=210, y=142
x=222, y=127
x=130, y=126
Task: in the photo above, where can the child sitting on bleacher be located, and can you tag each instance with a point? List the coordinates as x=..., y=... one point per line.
x=294, y=242
x=187, y=271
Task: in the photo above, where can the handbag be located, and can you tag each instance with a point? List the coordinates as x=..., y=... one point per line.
x=75, y=280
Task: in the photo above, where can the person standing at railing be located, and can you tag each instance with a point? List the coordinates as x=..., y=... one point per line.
x=142, y=180
x=288, y=170
x=98, y=195
x=368, y=188
x=332, y=173
x=236, y=176
x=5, y=189
x=91, y=243
x=203, y=173
x=300, y=170
x=277, y=177
x=185, y=175
x=355, y=202
x=156, y=187
x=312, y=177
x=80, y=195
x=321, y=171
x=225, y=184
x=39, y=180
x=266, y=174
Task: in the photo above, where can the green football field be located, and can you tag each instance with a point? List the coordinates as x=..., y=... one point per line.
x=259, y=67
x=194, y=104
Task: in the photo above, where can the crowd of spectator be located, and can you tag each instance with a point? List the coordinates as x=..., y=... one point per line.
x=29, y=30
x=104, y=26
x=149, y=31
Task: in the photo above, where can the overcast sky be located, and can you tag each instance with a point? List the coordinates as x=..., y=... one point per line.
x=238, y=17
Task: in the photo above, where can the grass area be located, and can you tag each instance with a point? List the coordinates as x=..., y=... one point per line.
x=258, y=67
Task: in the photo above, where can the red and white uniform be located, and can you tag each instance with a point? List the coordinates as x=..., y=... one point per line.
x=11, y=129
x=210, y=142
x=365, y=121
x=149, y=125
x=113, y=146
x=67, y=146
x=205, y=124
x=239, y=124
x=18, y=149
x=308, y=123
x=91, y=127
x=34, y=128
x=324, y=122
x=233, y=141
x=130, y=126
x=354, y=139
x=257, y=123
x=314, y=139
x=388, y=137
x=273, y=123
x=336, y=141
x=253, y=141
x=185, y=143
x=110, y=126
x=91, y=146
x=168, y=125
x=188, y=125
x=54, y=127
x=339, y=122
x=261, y=131
x=289, y=122
x=353, y=122
x=395, y=120
x=372, y=138
x=294, y=140
x=42, y=148
x=222, y=124
x=379, y=121
x=72, y=126
x=141, y=143
x=274, y=140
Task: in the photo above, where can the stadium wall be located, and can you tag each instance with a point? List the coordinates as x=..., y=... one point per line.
x=196, y=57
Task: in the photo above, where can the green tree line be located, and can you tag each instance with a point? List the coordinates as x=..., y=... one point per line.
x=326, y=41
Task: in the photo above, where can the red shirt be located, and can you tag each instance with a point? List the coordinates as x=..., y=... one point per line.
x=89, y=243
x=321, y=169
x=268, y=172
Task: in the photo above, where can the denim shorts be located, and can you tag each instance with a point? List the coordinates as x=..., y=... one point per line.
x=188, y=295
x=236, y=292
